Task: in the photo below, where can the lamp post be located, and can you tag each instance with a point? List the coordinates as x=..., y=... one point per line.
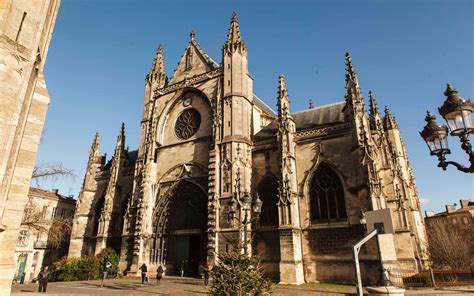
x=458, y=115
x=245, y=204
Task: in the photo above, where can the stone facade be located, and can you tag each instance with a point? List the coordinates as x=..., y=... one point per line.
x=33, y=247
x=207, y=140
x=25, y=33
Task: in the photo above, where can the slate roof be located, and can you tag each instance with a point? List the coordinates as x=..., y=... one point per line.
x=132, y=157
x=54, y=194
x=307, y=119
x=263, y=106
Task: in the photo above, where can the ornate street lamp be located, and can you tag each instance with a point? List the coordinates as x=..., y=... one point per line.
x=458, y=114
x=246, y=204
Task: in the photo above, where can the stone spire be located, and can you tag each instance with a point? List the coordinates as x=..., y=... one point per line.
x=311, y=104
x=374, y=109
x=120, y=145
x=353, y=92
x=286, y=128
x=375, y=118
x=389, y=121
x=234, y=37
x=351, y=75
x=283, y=99
x=157, y=75
x=94, y=152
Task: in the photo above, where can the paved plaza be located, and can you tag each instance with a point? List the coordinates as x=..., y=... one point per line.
x=190, y=286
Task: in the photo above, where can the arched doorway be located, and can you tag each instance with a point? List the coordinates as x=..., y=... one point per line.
x=180, y=229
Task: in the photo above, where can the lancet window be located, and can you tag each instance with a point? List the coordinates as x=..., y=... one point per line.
x=327, y=197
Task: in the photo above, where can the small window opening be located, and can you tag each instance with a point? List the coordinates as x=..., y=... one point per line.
x=21, y=26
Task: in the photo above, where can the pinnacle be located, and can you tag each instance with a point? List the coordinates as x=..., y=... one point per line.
x=95, y=142
x=374, y=109
x=350, y=72
x=389, y=120
x=234, y=36
x=192, y=35
x=121, y=135
x=281, y=85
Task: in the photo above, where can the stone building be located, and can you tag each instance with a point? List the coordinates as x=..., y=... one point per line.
x=453, y=219
x=34, y=247
x=462, y=217
x=25, y=33
x=207, y=140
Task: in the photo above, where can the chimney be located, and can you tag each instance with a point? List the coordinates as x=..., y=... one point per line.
x=429, y=214
x=450, y=208
x=464, y=203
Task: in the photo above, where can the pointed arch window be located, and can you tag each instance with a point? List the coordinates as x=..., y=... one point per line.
x=327, y=197
x=268, y=193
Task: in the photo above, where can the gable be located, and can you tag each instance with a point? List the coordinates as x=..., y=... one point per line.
x=194, y=61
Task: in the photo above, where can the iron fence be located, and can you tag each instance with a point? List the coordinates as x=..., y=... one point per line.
x=430, y=277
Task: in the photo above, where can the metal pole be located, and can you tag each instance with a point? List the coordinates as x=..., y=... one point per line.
x=356, y=249
x=245, y=231
x=355, y=254
x=432, y=277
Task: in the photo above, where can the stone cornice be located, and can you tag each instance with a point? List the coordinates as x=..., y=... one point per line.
x=322, y=131
x=188, y=82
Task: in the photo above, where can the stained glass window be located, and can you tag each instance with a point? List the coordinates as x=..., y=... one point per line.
x=187, y=124
x=327, y=197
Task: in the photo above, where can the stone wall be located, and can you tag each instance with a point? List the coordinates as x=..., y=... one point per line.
x=25, y=33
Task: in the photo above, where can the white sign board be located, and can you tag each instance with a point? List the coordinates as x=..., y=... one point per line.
x=379, y=216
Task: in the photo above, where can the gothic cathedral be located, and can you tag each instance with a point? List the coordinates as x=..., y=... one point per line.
x=208, y=144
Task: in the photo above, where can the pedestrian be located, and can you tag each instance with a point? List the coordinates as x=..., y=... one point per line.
x=144, y=270
x=43, y=278
x=182, y=268
x=105, y=271
x=206, y=273
x=159, y=274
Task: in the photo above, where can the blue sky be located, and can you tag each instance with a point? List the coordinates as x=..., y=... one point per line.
x=404, y=51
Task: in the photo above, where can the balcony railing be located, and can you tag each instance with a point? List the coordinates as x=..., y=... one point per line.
x=41, y=245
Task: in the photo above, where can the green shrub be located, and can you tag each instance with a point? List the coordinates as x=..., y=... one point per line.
x=110, y=255
x=66, y=269
x=88, y=268
x=85, y=268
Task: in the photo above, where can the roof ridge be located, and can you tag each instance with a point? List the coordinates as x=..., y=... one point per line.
x=265, y=104
x=318, y=107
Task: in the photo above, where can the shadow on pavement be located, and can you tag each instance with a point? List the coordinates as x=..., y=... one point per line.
x=189, y=283
x=196, y=292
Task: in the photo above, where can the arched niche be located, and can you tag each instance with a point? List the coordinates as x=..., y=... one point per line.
x=268, y=193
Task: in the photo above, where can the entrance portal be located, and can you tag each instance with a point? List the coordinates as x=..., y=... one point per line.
x=182, y=239
x=188, y=254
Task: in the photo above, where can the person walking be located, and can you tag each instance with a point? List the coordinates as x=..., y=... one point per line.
x=43, y=278
x=159, y=274
x=206, y=273
x=144, y=270
x=105, y=271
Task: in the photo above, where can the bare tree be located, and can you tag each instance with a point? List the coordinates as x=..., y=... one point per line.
x=57, y=229
x=450, y=245
x=51, y=172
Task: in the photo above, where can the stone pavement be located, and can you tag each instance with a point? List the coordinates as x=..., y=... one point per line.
x=181, y=286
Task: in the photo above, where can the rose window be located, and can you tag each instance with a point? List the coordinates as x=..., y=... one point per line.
x=187, y=124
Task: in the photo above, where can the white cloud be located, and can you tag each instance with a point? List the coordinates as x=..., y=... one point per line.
x=424, y=201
